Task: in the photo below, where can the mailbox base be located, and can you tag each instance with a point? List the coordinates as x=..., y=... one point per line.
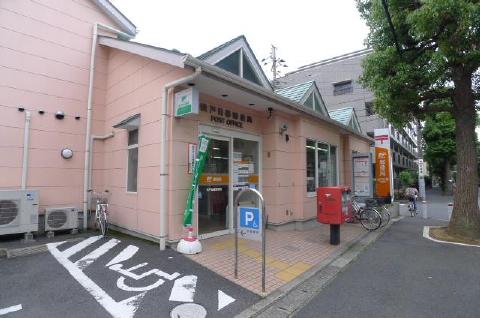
x=334, y=234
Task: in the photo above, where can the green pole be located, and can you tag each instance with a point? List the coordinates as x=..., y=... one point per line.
x=202, y=154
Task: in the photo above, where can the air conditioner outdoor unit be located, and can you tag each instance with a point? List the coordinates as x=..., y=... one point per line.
x=64, y=218
x=18, y=211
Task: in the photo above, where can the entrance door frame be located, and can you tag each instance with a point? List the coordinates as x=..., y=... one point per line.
x=229, y=135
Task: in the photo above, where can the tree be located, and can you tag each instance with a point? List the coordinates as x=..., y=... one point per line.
x=424, y=61
x=440, y=146
x=407, y=178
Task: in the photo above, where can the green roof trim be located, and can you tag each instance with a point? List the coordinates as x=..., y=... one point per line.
x=346, y=116
x=295, y=92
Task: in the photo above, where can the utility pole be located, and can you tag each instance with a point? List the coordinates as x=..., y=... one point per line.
x=421, y=179
x=276, y=63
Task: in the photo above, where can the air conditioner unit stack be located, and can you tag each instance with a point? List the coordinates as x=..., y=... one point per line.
x=18, y=211
x=64, y=218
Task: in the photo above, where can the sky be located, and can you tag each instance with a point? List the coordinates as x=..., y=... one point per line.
x=304, y=31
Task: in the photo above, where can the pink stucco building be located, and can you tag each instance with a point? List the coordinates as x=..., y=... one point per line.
x=117, y=96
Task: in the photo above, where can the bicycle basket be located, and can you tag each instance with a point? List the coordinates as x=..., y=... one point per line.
x=99, y=197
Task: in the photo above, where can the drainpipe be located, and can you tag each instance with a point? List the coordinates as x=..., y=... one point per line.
x=164, y=154
x=88, y=132
x=26, y=143
x=94, y=137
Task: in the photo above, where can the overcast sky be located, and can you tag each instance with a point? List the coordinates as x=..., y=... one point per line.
x=304, y=31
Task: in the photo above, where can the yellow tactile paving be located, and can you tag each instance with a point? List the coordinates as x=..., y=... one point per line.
x=285, y=276
x=252, y=253
x=279, y=265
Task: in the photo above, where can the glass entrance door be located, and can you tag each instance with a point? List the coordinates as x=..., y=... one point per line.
x=213, y=189
x=233, y=163
x=245, y=170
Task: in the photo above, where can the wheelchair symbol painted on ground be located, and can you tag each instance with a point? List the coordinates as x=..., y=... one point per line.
x=183, y=290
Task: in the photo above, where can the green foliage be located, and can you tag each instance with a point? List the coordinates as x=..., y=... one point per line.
x=439, y=136
x=434, y=38
x=407, y=178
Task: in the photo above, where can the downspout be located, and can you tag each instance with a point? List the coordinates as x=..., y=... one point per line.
x=164, y=154
x=26, y=144
x=94, y=137
x=88, y=132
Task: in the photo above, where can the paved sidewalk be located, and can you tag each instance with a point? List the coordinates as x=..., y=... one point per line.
x=289, y=255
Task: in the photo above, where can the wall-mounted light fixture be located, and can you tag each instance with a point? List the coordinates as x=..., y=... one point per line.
x=283, y=130
x=59, y=115
x=66, y=153
x=41, y=111
x=270, y=111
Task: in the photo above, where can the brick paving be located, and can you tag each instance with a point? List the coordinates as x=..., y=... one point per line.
x=289, y=254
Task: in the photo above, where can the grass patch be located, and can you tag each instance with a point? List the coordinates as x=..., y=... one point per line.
x=442, y=234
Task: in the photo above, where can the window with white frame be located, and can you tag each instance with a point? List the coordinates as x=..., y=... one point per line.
x=132, y=163
x=321, y=169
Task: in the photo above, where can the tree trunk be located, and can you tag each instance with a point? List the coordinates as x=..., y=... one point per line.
x=465, y=217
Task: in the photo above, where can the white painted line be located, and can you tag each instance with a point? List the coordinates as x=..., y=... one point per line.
x=93, y=256
x=10, y=309
x=224, y=300
x=122, y=309
x=129, y=272
x=80, y=246
x=184, y=289
x=121, y=284
x=426, y=234
x=124, y=255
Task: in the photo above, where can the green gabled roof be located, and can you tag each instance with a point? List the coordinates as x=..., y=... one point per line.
x=219, y=48
x=346, y=116
x=295, y=92
x=342, y=115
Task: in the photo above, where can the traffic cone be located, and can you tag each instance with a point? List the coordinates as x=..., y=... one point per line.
x=190, y=244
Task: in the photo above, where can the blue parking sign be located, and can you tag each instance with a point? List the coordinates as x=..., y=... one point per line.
x=250, y=223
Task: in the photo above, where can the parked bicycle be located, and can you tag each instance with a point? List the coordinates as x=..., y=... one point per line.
x=101, y=210
x=368, y=217
x=382, y=209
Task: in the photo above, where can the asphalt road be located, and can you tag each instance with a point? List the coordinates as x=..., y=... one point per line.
x=65, y=282
x=404, y=275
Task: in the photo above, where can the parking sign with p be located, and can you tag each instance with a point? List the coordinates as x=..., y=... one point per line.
x=250, y=223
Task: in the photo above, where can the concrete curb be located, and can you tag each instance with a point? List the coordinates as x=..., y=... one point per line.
x=289, y=298
x=31, y=250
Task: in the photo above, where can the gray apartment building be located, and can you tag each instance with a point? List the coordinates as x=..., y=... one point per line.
x=337, y=79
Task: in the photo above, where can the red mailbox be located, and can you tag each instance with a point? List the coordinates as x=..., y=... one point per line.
x=333, y=207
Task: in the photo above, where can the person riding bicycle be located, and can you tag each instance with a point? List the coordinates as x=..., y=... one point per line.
x=412, y=193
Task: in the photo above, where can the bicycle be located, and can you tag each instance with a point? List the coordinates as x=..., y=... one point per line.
x=101, y=210
x=412, y=209
x=368, y=217
x=382, y=209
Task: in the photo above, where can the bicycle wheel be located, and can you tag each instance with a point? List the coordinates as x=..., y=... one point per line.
x=385, y=216
x=103, y=223
x=412, y=210
x=370, y=219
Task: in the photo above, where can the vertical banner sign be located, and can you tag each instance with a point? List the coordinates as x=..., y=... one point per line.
x=421, y=172
x=192, y=157
x=197, y=172
x=382, y=162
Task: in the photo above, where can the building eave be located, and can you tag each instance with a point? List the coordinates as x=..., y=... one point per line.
x=223, y=75
x=116, y=15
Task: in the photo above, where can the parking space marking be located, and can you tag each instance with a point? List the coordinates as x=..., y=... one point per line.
x=80, y=246
x=90, y=258
x=122, y=309
x=124, y=255
x=184, y=289
x=10, y=309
